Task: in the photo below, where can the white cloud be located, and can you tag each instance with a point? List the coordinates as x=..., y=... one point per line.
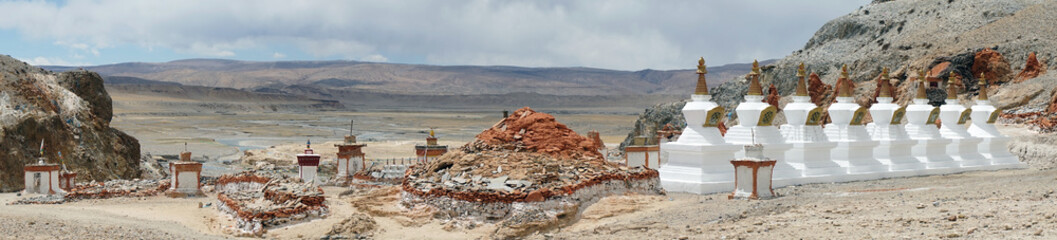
x=621, y=34
x=278, y=55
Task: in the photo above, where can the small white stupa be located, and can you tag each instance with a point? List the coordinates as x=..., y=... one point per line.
x=855, y=148
x=953, y=117
x=755, y=119
x=994, y=145
x=308, y=165
x=350, y=155
x=811, y=149
x=42, y=177
x=887, y=129
x=699, y=161
x=931, y=147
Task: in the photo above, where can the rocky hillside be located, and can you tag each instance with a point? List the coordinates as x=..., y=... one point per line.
x=71, y=113
x=966, y=36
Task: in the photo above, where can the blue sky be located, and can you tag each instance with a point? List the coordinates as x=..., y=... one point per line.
x=623, y=35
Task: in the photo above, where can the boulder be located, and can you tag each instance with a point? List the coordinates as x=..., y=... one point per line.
x=991, y=63
x=818, y=90
x=772, y=96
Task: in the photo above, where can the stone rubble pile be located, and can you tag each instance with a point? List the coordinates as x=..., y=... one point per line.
x=118, y=188
x=261, y=200
x=505, y=176
x=528, y=171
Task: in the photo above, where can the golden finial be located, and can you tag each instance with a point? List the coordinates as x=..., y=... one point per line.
x=884, y=74
x=801, y=86
x=701, y=65
x=702, y=84
x=844, y=71
x=431, y=133
x=983, y=87
x=755, y=67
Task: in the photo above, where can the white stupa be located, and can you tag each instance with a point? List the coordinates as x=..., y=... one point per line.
x=699, y=161
x=887, y=129
x=755, y=127
x=953, y=117
x=994, y=145
x=854, y=150
x=931, y=147
x=811, y=149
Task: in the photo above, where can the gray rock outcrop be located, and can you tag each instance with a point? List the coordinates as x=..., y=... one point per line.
x=71, y=113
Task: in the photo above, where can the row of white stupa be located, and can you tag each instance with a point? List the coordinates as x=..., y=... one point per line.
x=844, y=150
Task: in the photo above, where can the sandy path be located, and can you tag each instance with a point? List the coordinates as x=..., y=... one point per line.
x=122, y=218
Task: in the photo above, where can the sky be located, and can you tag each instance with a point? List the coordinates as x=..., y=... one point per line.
x=617, y=34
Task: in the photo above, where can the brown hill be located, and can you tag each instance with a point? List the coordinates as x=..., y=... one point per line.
x=416, y=79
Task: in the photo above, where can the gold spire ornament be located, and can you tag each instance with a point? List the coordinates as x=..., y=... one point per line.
x=754, y=83
x=983, y=87
x=801, y=86
x=952, y=89
x=845, y=89
x=886, y=88
x=702, y=85
x=922, y=75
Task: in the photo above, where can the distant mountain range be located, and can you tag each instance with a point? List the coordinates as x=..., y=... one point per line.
x=408, y=79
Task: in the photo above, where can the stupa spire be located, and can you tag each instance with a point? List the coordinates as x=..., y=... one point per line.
x=845, y=89
x=983, y=87
x=952, y=89
x=754, y=80
x=801, y=86
x=886, y=86
x=922, y=76
x=702, y=85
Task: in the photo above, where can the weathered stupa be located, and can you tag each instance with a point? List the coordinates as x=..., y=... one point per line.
x=431, y=150
x=351, y=158
x=698, y=162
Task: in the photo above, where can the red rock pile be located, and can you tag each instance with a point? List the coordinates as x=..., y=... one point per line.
x=772, y=96
x=526, y=157
x=992, y=65
x=528, y=130
x=818, y=90
x=1033, y=68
